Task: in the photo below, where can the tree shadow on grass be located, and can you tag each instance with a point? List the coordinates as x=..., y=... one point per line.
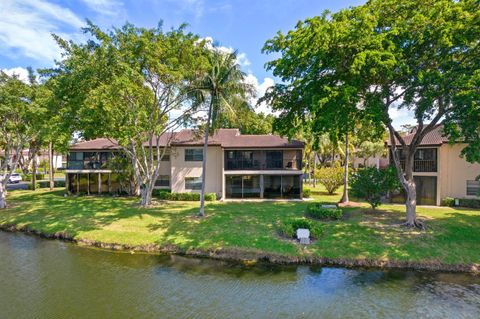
x=50, y=212
x=245, y=225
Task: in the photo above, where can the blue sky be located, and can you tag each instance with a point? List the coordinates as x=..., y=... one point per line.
x=244, y=25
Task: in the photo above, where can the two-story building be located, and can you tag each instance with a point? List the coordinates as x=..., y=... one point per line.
x=439, y=170
x=238, y=166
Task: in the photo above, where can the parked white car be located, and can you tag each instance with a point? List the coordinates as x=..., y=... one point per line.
x=15, y=178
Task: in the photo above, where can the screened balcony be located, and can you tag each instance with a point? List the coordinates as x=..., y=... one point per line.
x=425, y=160
x=88, y=160
x=263, y=160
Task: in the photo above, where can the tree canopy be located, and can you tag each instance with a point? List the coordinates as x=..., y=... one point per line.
x=132, y=85
x=359, y=63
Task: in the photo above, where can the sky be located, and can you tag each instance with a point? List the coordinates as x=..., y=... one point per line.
x=242, y=25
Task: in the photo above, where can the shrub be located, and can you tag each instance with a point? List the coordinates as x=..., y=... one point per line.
x=161, y=192
x=317, y=211
x=448, y=201
x=46, y=184
x=307, y=192
x=469, y=202
x=210, y=197
x=28, y=177
x=330, y=177
x=37, y=185
x=167, y=195
x=289, y=228
x=371, y=184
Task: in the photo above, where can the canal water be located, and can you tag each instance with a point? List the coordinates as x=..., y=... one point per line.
x=52, y=279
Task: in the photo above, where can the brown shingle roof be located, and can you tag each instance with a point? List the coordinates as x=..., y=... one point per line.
x=227, y=138
x=96, y=144
x=434, y=137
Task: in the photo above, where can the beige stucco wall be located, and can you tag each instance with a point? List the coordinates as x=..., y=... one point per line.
x=369, y=162
x=181, y=169
x=454, y=172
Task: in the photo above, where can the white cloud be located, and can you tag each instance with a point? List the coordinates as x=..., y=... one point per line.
x=26, y=27
x=242, y=59
x=260, y=89
x=22, y=73
x=197, y=7
x=109, y=8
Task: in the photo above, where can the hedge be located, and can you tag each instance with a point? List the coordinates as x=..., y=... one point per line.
x=462, y=202
x=469, y=202
x=307, y=192
x=289, y=228
x=317, y=211
x=37, y=185
x=28, y=177
x=166, y=195
x=46, y=184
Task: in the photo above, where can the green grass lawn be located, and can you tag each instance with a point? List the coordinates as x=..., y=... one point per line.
x=453, y=234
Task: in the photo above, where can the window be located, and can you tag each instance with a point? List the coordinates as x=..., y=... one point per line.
x=193, y=183
x=193, y=155
x=163, y=180
x=76, y=156
x=473, y=188
x=274, y=159
x=75, y=160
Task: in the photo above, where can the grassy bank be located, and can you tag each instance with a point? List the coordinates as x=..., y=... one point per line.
x=453, y=235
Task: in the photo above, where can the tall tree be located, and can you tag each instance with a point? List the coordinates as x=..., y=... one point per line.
x=248, y=121
x=224, y=89
x=17, y=114
x=417, y=55
x=126, y=84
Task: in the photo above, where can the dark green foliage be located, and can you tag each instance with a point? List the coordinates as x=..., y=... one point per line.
x=371, y=184
x=289, y=228
x=28, y=177
x=157, y=192
x=167, y=195
x=317, y=211
x=307, y=192
x=37, y=185
x=448, y=201
x=469, y=202
x=46, y=184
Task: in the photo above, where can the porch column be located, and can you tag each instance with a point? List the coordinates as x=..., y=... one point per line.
x=300, y=178
x=66, y=183
x=262, y=188
x=99, y=183
x=88, y=183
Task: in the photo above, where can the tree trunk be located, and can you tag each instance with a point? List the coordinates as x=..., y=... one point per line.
x=146, y=195
x=313, y=169
x=3, y=194
x=201, y=212
x=411, y=203
x=410, y=188
x=408, y=183
x=50, y=160
x=34, y=172
x=345, y=177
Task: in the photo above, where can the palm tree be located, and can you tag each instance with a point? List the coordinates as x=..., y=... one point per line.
x=224, y=89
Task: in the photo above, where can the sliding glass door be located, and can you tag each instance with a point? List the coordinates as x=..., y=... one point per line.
x=242, y=186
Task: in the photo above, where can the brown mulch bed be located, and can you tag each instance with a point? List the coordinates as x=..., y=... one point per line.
x=350, y=204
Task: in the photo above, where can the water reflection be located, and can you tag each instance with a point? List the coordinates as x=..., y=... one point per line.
x=48, y=279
